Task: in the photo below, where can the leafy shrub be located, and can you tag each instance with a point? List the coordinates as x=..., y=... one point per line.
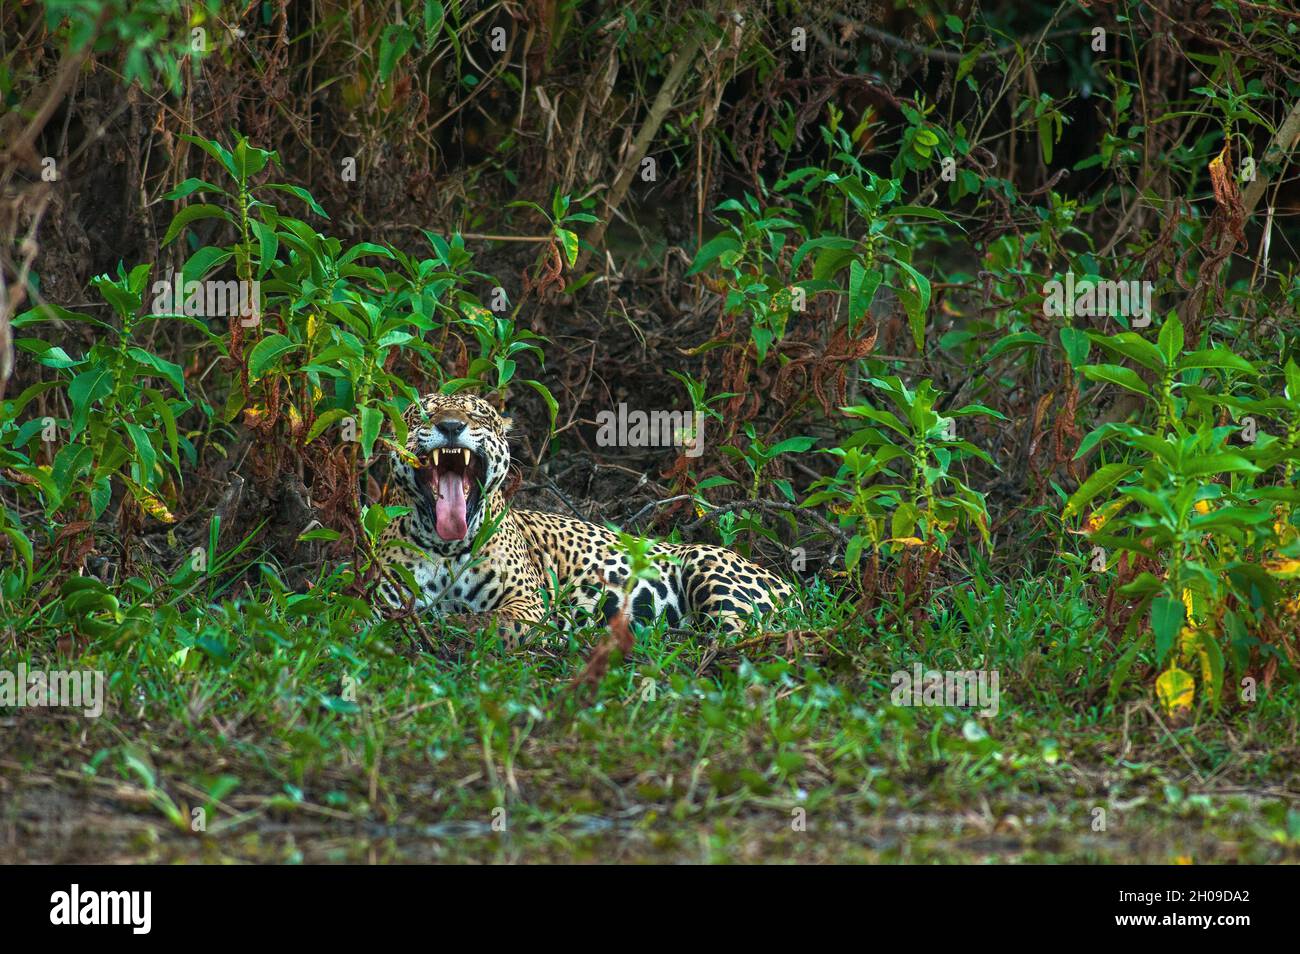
x=1203, y=517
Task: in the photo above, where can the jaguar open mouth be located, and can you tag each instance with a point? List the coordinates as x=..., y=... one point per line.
x=452, y=477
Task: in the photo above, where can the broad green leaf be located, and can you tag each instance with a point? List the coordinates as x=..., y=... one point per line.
x=372, y=420
x=301, y=193
x=792, y=445
x=172, y=372
x=318, y=426
x=267, y=351
x=853, y=552
x=49, y=312
x=87, y=388
x=21, y=545
x=711, y=250
x=837, y=242
x=193, y=213
x=394, y=43
x=1170, y=340
x=1218, y=464
x=1098, y=482
x=190, y=186
x=1116, y=374
x=1167, y=616
x=1076, y=345
x=1022, y=339
x=916, y=315
x=144, y=450
x=1134, y=347
x=216, y=151
x=1216, y=358
x=859, y=300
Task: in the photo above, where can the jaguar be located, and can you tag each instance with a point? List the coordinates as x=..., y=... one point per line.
x=471, y=554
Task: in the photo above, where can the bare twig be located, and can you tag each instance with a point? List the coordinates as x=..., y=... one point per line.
x=649, y=129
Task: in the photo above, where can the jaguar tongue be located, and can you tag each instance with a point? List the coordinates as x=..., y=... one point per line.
x=449, y=511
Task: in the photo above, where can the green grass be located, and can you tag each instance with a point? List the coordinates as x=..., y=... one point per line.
x=684, y=751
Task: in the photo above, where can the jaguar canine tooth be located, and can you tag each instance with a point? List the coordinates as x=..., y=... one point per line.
x=437, y=453
x=465, y=454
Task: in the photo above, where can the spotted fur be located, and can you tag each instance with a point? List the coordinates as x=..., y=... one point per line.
x=526, y=553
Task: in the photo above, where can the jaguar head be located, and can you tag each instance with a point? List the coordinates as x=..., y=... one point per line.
x=459, y=456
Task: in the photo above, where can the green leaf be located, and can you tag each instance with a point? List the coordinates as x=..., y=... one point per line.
x=87, y=388
x=1291, y=373
x=301, y=193
x=570, y=242
x=921, y=211
x=101, y=495
x=1134, y=347
x=916, y=314
x=1167, y=617
x=144, y=449
x=397, y=39
x=711, y=250
x=325, y=420
x=1171, y=339
x=1218, y=464
x=1116, y=374
x=552, y=405
x=433, y=16
x=372, y=420
x=885, y=418
x=970, y=410
x=1217, y=358
x=52, y=356
x=172, y=372
x=853, y=552
x=1022, y=339
x=216, y=151
x=792, y=445
x=207, y=258
x=268, y=244
x=858, y=302
x=165, y=413
x=1100, y=481
x=249, y=160
x=193, y=213
x=267, y=351
x=48, y=312
x=190, y=186
x=837, y=243
x=22, y=545
x=1123, y=667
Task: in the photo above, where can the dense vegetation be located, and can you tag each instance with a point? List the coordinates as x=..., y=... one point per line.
x=990, y=314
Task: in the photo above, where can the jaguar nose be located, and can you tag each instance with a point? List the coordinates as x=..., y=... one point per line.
x=451, y=429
